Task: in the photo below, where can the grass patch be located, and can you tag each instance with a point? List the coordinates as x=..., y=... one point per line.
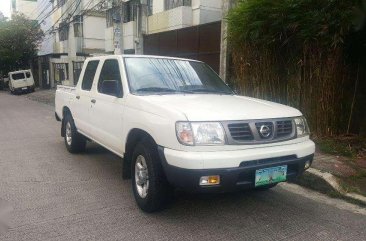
x=350, y=146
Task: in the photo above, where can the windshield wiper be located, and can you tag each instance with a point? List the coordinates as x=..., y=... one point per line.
x=211, y=91
x=162, y=90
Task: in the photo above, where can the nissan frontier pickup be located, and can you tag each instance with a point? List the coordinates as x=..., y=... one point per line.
x=176, y=124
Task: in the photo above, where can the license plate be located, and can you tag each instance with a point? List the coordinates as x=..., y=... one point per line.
x=270, y=175
x=24, y=88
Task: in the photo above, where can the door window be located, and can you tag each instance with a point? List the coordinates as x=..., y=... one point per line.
x=110, y=79
x=89, y=74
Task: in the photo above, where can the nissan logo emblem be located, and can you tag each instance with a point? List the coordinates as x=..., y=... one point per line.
x=265, y=131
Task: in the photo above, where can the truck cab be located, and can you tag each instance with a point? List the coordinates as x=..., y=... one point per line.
x=21, y=81
x=176, y=124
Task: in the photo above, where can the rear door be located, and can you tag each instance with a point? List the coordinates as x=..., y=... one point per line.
x=18, y=80
x=29, y=78
x=81, y=112
x=107, y=106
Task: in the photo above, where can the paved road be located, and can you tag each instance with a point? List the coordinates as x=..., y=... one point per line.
x=59, y=196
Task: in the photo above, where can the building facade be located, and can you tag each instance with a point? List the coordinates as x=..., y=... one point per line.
x=76, y=29
x=26, y=7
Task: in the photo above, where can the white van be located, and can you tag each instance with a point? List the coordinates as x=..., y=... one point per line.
x=21, y=81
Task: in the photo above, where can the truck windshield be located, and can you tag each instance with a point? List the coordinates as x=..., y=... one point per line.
x=169, y=76
x=18, y=76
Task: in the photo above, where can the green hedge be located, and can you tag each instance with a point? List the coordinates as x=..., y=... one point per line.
x=305, y=53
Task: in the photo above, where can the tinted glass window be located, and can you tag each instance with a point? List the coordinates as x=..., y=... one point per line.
x=154, y=75
x=89, y=74
x=18, y=76
x=110, y=78
x=28, y=74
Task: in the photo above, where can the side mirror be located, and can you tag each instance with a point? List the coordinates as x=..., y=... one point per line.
x=112, y=87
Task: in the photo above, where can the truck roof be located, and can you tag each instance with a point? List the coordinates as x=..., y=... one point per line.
x=19, y=71
x=142, y=56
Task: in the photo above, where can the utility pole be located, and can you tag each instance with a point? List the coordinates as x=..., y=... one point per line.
x=224, y=51
x=141, y=25
x=118, y=31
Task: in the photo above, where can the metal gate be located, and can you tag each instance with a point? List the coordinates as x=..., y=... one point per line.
x=200, y=42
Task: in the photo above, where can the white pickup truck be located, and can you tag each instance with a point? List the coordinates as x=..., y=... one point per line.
x=176, y=124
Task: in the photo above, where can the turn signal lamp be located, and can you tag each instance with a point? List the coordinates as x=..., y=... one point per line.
x=210, y=180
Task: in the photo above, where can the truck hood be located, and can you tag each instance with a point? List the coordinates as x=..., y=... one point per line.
x=208, y=107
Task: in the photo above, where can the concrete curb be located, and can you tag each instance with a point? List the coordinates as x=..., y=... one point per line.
x=334, y=183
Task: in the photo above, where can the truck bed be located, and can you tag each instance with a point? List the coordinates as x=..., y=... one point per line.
x=65, y=96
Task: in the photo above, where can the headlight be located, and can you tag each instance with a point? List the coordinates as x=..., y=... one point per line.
x=200, y=133
x=302, y=128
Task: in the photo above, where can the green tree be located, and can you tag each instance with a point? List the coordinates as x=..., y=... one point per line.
x=19, y=41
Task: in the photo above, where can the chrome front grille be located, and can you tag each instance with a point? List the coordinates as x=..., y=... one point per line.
x=259, y=131
x=284, y=128
x=240, y=131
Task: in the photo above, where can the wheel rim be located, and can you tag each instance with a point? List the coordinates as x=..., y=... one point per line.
x=141, y=176
x=68, y=134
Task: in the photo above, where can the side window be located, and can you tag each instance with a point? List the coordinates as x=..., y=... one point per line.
x=89, y=74
x=110, y=79
x=27, y=74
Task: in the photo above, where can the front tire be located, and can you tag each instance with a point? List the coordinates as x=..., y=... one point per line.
x=151, y=189
x=74, y=141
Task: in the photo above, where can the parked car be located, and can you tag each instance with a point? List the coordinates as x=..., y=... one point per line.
x=21, y=81
x=176, y=124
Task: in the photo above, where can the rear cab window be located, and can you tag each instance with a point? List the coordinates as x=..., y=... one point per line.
x=18, y=76
x=89, y=75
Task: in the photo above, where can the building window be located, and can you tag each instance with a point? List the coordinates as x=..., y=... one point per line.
x=77, y=70
x=170, y=4
x=129, y=11
x=150, y=7
x=63, y=31
x=113, y=15
x=61, y=72
x=78, y=26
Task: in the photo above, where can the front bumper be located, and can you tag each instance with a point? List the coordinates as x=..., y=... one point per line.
x=238, y=177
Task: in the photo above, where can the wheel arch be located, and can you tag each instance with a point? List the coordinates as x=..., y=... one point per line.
x=134, y=136
x=65, y=111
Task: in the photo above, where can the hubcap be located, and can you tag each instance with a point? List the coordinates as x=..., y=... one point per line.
x=141, y=176
x=68, y=134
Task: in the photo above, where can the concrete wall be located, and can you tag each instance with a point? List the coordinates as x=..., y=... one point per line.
x=109, y=39
x=206, y=11
x=129, y=35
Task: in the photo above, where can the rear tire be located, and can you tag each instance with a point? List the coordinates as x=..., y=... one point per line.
x=150, y=187
x=74, y=141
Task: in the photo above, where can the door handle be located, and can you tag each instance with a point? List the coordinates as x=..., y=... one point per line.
x=78, y=97
x=93, y=101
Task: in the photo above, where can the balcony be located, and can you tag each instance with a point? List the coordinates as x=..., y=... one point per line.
x=176, y=18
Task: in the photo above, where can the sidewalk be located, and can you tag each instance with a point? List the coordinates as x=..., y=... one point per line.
x=337, y=176
x=43, y=96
